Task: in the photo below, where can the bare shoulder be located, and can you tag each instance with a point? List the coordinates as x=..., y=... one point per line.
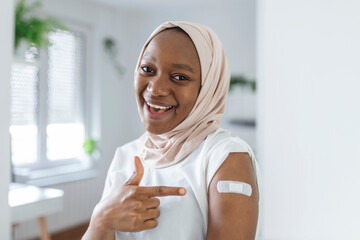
x=233, y=215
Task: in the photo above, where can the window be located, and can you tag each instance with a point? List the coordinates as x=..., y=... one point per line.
x=47, y=108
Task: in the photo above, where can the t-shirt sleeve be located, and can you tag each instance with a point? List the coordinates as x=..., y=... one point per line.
x=220, y=151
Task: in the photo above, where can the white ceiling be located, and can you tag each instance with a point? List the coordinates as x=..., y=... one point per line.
x=153, y=3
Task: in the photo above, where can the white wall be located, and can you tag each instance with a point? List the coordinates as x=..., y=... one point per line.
x=232, y=20
x=309, y=118
x=6, y=43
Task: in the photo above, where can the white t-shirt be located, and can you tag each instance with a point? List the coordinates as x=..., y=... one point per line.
x=181, y=217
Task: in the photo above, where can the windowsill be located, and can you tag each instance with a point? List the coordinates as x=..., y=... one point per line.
x=56, y=175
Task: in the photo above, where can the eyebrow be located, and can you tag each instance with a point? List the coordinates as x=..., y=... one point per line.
x=177, y=65
x=184, y=66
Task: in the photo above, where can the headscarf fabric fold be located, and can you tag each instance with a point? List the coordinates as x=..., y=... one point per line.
x=169, y=148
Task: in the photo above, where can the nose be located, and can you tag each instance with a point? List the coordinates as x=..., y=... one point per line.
x=158, y=86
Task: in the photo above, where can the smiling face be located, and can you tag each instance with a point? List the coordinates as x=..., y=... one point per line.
x=167, y=81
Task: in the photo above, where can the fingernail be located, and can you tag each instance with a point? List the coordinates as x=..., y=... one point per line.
x=182, y=191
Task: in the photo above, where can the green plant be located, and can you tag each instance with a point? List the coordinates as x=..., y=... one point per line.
x=112, y=51
x=33, y=29
x=242, y=81
x=90, y=145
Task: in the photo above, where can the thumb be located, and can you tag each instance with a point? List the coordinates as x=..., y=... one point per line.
x=135, y=179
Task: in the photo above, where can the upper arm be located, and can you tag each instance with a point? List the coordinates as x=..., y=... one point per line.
x=233, y=215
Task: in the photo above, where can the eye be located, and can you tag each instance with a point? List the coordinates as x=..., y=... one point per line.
x=147, y=69
x=180, y=78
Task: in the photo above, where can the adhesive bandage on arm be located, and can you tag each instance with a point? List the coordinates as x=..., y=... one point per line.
x=234, y=187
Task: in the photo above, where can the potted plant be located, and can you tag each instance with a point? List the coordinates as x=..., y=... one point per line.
x=242, y=81
x=31, y=30
x=111, y=50
x=241, y=100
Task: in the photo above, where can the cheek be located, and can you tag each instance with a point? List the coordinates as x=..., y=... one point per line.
x=190, y=99
x=139, y=85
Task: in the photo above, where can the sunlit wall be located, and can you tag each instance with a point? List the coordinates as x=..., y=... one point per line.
x=309, y=118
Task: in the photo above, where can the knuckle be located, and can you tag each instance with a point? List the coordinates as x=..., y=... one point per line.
x=136, y=190
x=127, y=196
x=124, y=198
x=132, y=192
x=160, y=190
x=137, y=205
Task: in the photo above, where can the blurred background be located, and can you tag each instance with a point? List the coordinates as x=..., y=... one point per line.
x=67, y=102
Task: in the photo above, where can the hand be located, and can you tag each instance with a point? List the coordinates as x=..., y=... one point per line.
x=132, y=208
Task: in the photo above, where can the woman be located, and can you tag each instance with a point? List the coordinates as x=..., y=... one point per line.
x=185, y=178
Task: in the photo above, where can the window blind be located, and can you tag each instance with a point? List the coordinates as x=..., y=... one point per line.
x=65, y=130
x=24, y=112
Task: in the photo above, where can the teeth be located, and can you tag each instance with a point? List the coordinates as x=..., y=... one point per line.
x=157, y=106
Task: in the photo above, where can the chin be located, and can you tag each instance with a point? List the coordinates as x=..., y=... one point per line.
x=156, y=130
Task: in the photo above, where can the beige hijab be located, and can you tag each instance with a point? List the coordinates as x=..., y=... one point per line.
x=167, y=149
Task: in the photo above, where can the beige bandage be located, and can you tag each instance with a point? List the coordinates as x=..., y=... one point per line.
x=234, y=187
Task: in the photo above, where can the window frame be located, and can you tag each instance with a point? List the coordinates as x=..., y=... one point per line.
x=25, y=172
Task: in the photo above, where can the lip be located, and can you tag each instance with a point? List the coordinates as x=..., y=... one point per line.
x=157, y=116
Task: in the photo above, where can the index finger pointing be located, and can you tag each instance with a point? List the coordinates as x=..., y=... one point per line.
x=161, y=191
